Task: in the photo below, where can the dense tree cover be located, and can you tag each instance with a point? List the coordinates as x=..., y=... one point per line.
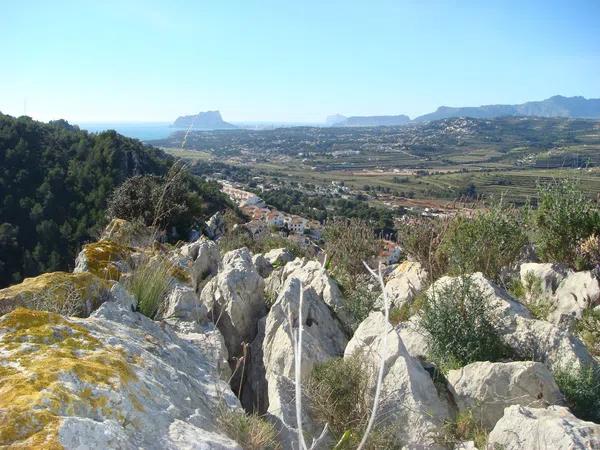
x=55, y=181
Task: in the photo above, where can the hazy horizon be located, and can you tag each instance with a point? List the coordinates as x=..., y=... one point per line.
x=133, y=61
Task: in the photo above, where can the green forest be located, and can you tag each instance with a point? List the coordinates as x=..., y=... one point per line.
x=55, y=183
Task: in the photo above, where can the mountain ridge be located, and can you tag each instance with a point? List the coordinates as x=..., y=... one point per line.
x=207, y=120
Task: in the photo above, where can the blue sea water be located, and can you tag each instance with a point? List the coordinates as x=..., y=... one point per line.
x=144, y=131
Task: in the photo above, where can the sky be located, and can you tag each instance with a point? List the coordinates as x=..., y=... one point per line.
x=294, y=61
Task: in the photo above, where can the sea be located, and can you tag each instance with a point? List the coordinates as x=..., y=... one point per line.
x=144, y=131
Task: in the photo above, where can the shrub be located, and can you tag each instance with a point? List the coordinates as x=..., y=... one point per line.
x=581, y=389
x=459, y=324
x=588, y=328
x=340, y=394
x=563, y=218
x=464, y=428
x=164, y=202
x=150, y=283
x=349, y=242
x=588, y=252
x=487, y=242
x=531, y=294
x=421, y=239
x=360, y=298
x=407, y=309
x=250, y=431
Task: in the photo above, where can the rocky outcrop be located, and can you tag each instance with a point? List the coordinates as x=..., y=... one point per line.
x=114, y=380
x=404, y=283
x=541, y=429
x=215, y=226
x=530, y=339
x=205, y=264
x=72, y=294
x=323, y=339
x=313, y=275
x=410, y=400
x=413, y=338
x=576, y=292
x=279, y=257
x=105, y=259
x=486, y=388
x=549, y=275
x=235, y=299
x=263, y=266
x=182, y=303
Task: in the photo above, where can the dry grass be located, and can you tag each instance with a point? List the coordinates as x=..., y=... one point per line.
x=252, y=432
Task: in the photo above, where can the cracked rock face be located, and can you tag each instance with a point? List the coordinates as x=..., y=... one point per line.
x=540, y=429
x=114, y=380
x=487, y=388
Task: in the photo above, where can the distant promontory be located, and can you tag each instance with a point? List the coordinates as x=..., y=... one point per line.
x=209, y=120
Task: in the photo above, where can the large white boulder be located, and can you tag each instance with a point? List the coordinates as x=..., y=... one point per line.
x=549, y=276
x=279, y=257
x=410, y=400
x=486, y=388
x=542, y=429
x=576, y=292
x=323, y=339
x=206, y=264
x=235, y=299
x=114, y=380
x=313, y=275
x=404, y=283
x=183, y=303
x=413, y=338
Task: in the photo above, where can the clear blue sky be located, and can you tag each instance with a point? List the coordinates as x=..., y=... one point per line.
x=286, y=60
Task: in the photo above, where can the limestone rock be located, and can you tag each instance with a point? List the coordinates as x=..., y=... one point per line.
x=205, y=265
x=487, y=388
x=576, y=292
x=323, y=339
x=113, y=380
x=122, y=297
x=73, y=294
x=129, y=234
x=540, y=429
x=404, y=283
x=411, y=402
x=215, y=226
x=263, y=266
x=279, y=257
x=313, y=275
x=235, y=299
x=549, y=274
x=413, y=338
x=183, y=303
x=105, y=259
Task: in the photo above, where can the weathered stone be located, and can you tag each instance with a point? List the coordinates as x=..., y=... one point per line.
x=206, y=264
x=549, y=274
x=254, y=391
x=73, y=294
x=183, y=303
x=114, y=380
x=105, y=259
x=312, y=274
x=279, y=257
x=215, y=226
x=263, y=266
x=487, y=388
x=235, y=299
x=576, y=292
x=413, y=338
x=122, y=297
x=411, y=404
x=405, y=282
x=541, y=429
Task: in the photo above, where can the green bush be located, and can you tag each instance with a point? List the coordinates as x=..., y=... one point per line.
x=460, y=325
x=149, y=283
x=250, y=431
x=487, y=242
x=531, y=294
x=588, y=328
x=421, y=239
x=359, y=296
x=349, y=242
x=581, y=389
x=563, y=218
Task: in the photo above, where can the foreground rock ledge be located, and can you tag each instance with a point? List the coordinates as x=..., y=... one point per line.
x=113, y=380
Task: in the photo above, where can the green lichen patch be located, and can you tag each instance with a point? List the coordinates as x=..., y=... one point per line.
x=102, y=258
x=73, y=294
x=43, y=349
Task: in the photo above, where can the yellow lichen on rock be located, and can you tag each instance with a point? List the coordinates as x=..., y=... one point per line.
x=63, y=292
x=49, y=368
x=102, y=258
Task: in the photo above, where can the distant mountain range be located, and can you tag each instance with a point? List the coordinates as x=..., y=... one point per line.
x=557, y=106
x=209, y=120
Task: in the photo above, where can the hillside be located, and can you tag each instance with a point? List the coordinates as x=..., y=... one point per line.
x=209, y=120
x=55, y=181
